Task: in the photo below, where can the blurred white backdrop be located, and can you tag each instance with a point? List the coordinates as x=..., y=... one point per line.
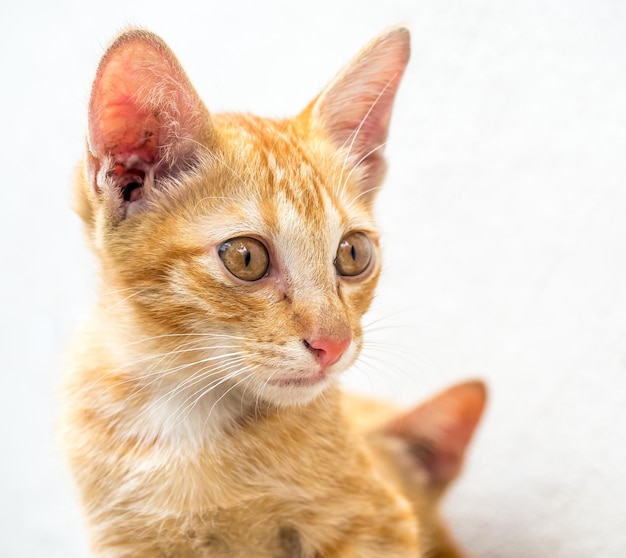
x=504, y=219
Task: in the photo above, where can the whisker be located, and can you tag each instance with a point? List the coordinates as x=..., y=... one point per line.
x=126, y=298
x=197, y=378
x=163, y=399
x=354, y=168
x=207, y=335
x=343, y=184
x=153, y=367
x=263, y=387
x=184, y=412
x=226, y=393
x=116, y=291
x=353, y=135
x=159, y=375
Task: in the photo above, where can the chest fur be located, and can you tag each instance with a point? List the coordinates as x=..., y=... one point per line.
x=263, y=489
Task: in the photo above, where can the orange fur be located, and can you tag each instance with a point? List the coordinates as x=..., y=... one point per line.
x=202, y=414
x=421, y=451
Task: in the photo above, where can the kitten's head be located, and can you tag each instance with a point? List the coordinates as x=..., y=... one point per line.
x=422, y=451
x=243, y=247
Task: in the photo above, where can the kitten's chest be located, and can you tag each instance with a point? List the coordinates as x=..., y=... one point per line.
x=248, y=500
x=205, y=483
x=258, y=489
x=291, y=457
x=126, y=460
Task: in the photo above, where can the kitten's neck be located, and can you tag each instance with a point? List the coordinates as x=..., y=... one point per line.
x=217, y=415
x=184, y=418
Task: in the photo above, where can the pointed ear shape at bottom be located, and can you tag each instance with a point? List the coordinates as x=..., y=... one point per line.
x=438, y=431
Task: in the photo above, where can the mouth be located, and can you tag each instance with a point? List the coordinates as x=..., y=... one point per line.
x=300, y=381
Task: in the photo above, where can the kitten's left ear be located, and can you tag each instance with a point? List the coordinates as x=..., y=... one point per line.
x=145, y=119
x=437, y=432
x=355, y=108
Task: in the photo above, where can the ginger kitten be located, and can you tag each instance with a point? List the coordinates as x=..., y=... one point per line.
x=237, y=255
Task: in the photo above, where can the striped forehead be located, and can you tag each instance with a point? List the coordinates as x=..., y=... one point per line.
x=282, y=172
x=305, y=225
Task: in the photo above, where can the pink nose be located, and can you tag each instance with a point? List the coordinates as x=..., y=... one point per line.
x=328, y=351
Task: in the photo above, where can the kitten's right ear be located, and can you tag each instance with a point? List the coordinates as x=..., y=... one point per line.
x=355, y=108
x=146, y=121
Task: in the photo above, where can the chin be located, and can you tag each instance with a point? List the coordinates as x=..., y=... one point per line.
x=294, y=391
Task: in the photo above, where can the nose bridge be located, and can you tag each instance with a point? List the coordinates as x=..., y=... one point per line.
x=308, y=255
x=322, y=316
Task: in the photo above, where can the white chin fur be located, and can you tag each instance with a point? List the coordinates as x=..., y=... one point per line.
x=293, y=395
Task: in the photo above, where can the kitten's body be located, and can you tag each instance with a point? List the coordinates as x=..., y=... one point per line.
x=202, y=416
x=237, y=256
x=244, y=494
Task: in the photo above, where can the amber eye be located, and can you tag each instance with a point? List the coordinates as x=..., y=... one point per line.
x=246, y=258
x=354, y=254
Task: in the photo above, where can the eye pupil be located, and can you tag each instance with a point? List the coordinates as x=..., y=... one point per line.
x=245, y=258
x=353, y=253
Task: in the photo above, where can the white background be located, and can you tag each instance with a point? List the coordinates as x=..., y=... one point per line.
x=504, y=219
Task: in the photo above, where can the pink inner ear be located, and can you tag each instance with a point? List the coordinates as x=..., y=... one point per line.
x=145, y=120
x=121, y=121
x=125, y=130
x=355, y=108
x=366, y=138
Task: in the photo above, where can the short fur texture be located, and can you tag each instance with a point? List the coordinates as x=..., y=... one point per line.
x=202, y=416
x=421, y=451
